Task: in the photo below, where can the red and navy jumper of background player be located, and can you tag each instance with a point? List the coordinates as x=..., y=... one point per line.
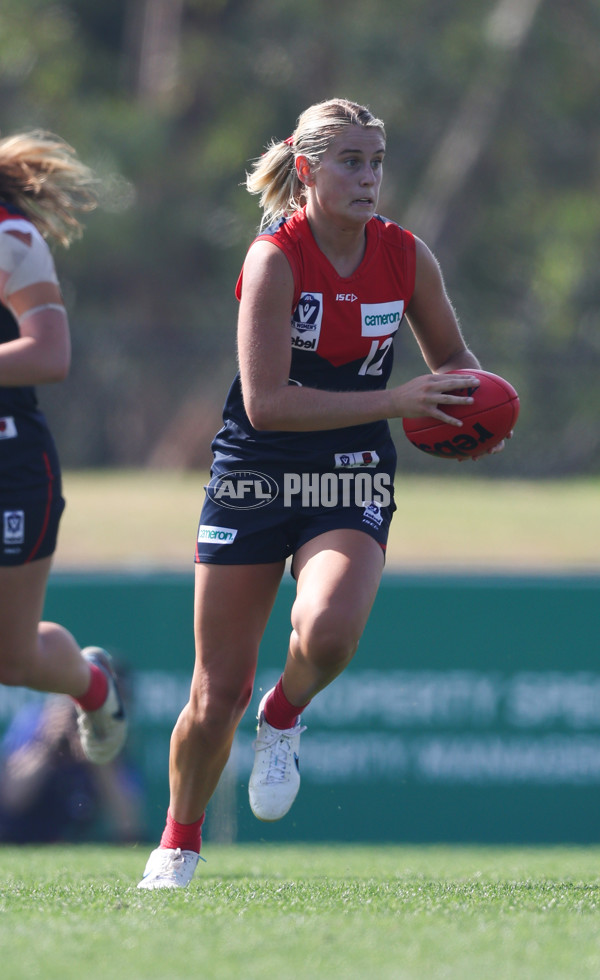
x=342, y=331
x=31, y=501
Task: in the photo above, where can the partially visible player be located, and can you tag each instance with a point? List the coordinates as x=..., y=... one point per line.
x=50, y=792
x=325, y=288
x=43, y=185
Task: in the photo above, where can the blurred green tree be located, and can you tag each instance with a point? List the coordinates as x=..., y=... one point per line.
x=493, y=158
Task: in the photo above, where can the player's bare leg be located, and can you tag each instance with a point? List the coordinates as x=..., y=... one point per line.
x=338, y=574
x=42, y=656
x=232, y=606
x=45, y=656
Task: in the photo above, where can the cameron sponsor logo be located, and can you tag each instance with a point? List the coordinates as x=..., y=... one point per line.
x=337, y=489
x=209, y=534
x=381, y=319
x=243, y=490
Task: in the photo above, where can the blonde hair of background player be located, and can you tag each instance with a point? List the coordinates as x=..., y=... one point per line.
x=41, y=175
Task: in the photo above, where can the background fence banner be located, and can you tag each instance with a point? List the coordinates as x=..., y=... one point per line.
x=471, y=711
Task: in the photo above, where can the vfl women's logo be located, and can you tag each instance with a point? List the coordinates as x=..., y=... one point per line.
x=13, y=527
x=243, y=490
x=306, y=321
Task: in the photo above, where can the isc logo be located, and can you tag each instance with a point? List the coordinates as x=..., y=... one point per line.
x=346, y=297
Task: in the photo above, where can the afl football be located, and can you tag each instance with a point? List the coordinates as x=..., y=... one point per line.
x=485, y=422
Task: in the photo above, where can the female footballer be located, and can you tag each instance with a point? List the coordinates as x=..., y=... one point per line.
x=42, y=187
x=304, y=464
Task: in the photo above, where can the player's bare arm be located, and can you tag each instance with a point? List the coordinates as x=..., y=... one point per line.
x=433, y=320
x=434, y=324
x=42, y=352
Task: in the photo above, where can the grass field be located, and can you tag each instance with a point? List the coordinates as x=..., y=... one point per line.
x=135, y=519
x=253, y=912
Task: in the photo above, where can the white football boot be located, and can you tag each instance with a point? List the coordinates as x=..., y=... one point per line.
x=169, y=867
x=103, y=732
x=275, y=777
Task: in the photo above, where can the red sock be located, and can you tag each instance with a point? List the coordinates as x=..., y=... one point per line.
x=187, y=836
x=97, y=692
x=279, y=712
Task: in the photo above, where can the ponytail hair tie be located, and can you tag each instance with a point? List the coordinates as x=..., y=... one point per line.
x=289, y=141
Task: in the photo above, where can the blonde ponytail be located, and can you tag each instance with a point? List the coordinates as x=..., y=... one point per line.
x=274, y=177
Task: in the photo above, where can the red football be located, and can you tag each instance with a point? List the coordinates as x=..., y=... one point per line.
x=486, y=422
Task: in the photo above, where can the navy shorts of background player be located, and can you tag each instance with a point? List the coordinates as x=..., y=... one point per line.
x=341, y=336
x=31, y=501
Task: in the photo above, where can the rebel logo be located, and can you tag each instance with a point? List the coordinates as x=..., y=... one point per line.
x=462, y=444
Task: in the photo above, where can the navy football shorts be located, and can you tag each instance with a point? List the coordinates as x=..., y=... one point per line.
x=30, y=511
x=265, y=514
